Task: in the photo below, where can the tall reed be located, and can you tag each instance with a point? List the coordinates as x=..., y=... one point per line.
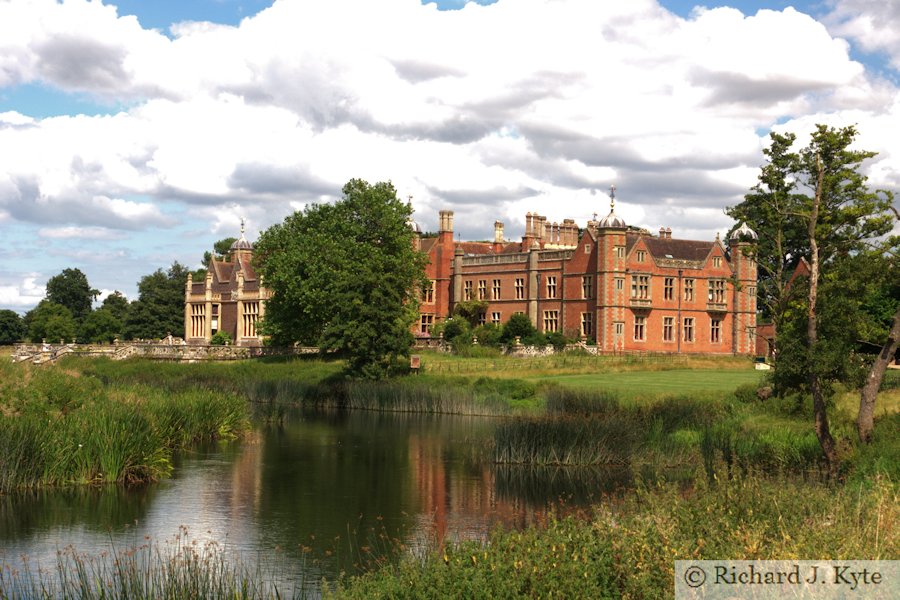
x=178, y=568
x=60, y=428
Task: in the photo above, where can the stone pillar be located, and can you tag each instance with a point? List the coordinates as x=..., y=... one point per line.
x=457, y=277
x=534, y=282
x=187, y=306
x=744, y=303
x=239, y=320
x=207, y=323
x=263, y=296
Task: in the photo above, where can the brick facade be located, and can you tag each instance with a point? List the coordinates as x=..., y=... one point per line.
x=621, y=288
x=624, y=289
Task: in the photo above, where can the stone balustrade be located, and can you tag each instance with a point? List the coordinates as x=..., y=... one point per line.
x=43, y=353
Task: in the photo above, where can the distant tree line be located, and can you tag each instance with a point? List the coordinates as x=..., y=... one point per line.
x=67, y=313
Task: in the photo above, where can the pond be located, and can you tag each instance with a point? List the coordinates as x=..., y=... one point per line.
x=320, y=494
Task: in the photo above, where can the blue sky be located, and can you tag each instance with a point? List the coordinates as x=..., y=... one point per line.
x=136, y=133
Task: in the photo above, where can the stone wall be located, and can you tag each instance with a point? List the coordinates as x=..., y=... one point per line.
x=42, y=353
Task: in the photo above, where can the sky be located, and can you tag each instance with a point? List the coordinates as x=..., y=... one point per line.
x=135, y=133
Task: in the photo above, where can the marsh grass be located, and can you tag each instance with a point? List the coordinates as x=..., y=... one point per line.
x=594, y=428
x=62, y=427
x=627, y=547
x=178, y=568
x=573, y=362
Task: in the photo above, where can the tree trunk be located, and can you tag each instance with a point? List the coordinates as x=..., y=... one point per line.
x=815, y=385
x=865, y=422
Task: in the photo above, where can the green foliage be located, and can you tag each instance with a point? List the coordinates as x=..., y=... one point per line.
x=852, y=278
x=519, y=325
x=628, y=548
x=12, y=327
x=455, y=330
x=221, y=338
x=159, y=309
x=472, y=311
x=117, y=304
x=343, y=277
x=100, y=326
x=56, y=429
x=782, y=240
x=488, y=335
x=50, y=321
x=221, y=248
x=563, y=559
x=71, y=289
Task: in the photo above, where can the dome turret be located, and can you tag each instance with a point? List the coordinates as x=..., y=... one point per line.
x=743, y=234
x=241, y=243
x=612, y=220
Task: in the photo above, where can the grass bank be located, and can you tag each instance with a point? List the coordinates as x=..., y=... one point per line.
x=570, y=409
x=627, y=549
x=61, y=427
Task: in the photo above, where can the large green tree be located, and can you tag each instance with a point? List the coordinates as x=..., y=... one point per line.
x=72, y=290
x=344, y=277
x=12, y=327
x=117, y=304
x=813, y=204
x=51, y=322
x=159, y=309
x=101, y=325
x=782, y=239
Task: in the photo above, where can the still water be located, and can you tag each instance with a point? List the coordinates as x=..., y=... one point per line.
x=320, y=494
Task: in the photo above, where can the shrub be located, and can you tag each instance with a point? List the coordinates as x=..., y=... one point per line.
x=488, y=335
x=519, y=325
x=221, y=338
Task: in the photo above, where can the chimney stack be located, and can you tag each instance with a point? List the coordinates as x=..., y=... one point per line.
x=498, y=232
x=446, y=221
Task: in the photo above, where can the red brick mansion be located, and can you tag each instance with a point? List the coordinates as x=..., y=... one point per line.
x=619, y=287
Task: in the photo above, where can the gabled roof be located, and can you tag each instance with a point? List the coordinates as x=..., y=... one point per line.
x=512, y=248
x=426, y=244
x=690, y=250
x=476, y=247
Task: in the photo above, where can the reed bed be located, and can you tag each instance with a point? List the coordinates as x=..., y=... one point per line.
x=177, y=568
x=627, y=548
x=60, y=427
x=584, y=428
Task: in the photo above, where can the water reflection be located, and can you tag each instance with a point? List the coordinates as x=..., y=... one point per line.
x=328, y=492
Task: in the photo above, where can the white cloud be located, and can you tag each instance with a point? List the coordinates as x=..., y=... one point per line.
x=85, y=233
x=872, y=24
x=24, y=293
x=489, y=110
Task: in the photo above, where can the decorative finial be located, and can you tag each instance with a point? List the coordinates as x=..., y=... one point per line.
x=595, y=216
x=612, y=196
x=409, y=199
x=242, y=226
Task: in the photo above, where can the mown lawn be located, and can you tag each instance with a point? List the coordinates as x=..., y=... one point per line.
x=636, y=384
